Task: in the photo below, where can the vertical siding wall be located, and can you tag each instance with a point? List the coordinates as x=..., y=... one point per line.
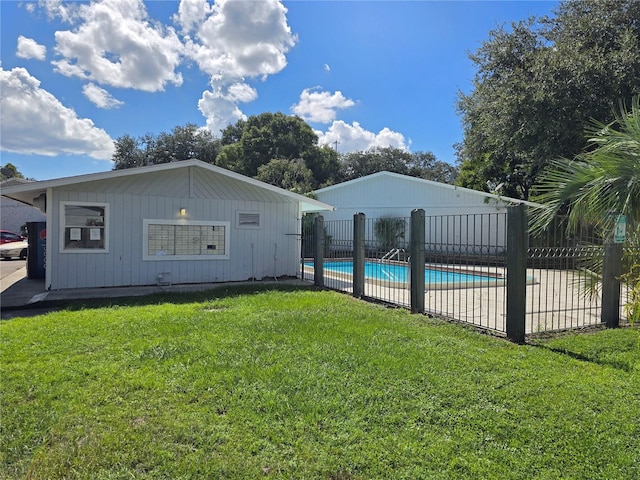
x=272, y=250
x=454, y=215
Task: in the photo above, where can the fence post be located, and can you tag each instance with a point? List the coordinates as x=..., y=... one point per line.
x=611, y=271
x=516, y=272
x=318, y=252
x=417, y=260
x=358, y=254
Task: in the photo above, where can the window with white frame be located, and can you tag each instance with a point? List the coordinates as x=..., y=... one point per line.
x=185, y=240
x=84, y=227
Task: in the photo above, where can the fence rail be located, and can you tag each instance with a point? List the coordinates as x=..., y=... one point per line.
x=465, y=270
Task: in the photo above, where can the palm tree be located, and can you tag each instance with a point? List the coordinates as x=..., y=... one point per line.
x=596, y=187
x=601, y=182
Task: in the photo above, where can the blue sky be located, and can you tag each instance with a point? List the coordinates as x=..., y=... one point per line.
x=75, y=76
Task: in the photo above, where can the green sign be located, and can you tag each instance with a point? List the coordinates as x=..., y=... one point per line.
x=620, y=231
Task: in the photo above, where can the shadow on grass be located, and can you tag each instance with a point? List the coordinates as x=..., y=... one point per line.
x=614, y=363
x=225, y=290
x=219, y=292
x=620, y=351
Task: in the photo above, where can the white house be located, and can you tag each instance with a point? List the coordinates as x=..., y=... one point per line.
x=181, y=222
x=13, y=214
x=457, y=217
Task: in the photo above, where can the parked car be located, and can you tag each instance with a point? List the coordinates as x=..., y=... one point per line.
x=14, y=250
x=6, y=237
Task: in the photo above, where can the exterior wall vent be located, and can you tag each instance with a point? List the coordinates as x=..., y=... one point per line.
x=249, y=220
x=163, y=279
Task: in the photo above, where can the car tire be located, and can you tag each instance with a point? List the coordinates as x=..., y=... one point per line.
x=23, y=254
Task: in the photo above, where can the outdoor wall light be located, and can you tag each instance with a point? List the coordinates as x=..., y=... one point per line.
x=183, y=212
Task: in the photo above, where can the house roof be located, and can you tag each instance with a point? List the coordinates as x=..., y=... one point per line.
x=424, y=182
x=14, y=181
x=26, y=193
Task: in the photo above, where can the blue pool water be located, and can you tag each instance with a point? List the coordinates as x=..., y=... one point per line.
x=400, y=273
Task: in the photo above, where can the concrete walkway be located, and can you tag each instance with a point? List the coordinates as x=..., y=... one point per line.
x=21, y=296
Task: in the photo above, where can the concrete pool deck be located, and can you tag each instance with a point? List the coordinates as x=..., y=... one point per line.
x=553, y=300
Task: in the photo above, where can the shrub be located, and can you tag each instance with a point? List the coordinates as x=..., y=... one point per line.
x=389, y=232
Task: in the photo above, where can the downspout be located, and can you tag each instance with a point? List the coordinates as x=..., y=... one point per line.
x=48, y=267
x=300, y=272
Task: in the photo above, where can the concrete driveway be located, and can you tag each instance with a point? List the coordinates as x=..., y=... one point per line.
x=8, y=267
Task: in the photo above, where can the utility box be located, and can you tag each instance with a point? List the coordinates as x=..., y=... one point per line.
x=37, y=252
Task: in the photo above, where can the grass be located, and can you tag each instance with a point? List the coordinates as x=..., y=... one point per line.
x=308, y=384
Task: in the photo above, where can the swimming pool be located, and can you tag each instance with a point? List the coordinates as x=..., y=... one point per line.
x=397, y=275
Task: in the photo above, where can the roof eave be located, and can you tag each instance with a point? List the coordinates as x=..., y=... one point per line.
x=424, y=181
x=25, y=193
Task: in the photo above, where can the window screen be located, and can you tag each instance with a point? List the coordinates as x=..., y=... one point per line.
x=84, y=227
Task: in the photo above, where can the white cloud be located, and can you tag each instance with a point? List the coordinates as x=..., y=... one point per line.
x=241, y=92
x=237, y=39
x=352, y=138
x=320, y=107
x=33, y=121
x=115, y=44
x=100, y=97
x=232, y=40
x=220, y=106
x=56, y=8
x=29, y=48
x=327, y=68
x=191, y=14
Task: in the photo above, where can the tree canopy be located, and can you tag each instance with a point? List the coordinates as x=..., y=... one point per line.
x=599, y=184
x=279, y=149
x=260, y=139
x=538, y=84
x=183, y=143
x=9, y=171
x=418, y=164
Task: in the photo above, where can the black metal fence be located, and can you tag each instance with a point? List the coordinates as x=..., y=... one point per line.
x=567, y=271
x=631, y=265
x=471, y=248
x=556, y=283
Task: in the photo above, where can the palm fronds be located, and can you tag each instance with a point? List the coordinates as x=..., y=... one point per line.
x=599, y=184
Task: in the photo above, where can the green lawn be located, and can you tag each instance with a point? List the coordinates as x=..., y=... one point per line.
x=308, y=384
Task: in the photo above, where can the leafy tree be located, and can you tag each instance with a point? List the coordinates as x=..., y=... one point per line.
x=324, y=163
x=419, y=164
x=127, y=153
x=182, y=143
x=594, y=188
x=10, y=171
x=426, y=165
x=279, y=149
x=231, y=158
x=360, y=164
x=599, y=184
x=538, y=84
x=291, y=175
x=233, y=133
x=253, y=143
x=264, y=137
